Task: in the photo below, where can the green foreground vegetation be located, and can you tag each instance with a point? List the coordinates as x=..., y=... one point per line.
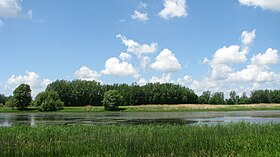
x=235, y=139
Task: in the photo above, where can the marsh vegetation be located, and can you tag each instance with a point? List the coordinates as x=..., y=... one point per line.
x=235, y=139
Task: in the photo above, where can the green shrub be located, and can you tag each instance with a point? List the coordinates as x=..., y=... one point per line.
x=48, y=101
x=112, y=100
x=10, y=103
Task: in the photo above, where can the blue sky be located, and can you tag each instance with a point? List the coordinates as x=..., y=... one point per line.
x=204, y=45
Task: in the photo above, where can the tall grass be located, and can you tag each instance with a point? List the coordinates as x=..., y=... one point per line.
x=236, y=139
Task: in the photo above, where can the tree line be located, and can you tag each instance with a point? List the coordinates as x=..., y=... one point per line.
x=81, y=93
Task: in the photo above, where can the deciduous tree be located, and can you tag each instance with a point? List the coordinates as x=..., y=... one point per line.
x=22, y=96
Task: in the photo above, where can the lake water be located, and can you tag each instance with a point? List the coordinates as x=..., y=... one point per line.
x=135, y=118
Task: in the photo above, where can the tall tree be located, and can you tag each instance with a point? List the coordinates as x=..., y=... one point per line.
x=22, y=96
x=244, y=99
x=204, y=98
x=217, y=98
x=63, y=89
x=274, y=96
x=260, y=96
x=233, y=98
x=112, y=100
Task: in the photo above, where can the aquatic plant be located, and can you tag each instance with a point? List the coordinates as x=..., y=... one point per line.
x=236, y=139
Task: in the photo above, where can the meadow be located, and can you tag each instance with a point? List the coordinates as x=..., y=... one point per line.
x=234, y=139
x=160, y=108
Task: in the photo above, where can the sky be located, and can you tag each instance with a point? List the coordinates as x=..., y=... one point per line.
x=203, y=45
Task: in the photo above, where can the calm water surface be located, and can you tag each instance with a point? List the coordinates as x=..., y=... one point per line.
x=135, y=118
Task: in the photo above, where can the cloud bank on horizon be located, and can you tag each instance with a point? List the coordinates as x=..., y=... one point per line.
x=230, y=67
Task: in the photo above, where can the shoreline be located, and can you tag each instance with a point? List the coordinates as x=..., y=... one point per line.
x=160, y=108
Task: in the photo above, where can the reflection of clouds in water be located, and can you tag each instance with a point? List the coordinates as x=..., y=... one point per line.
x=32, y=120
x=5, y=124
x=194, y=118
x=4, y=121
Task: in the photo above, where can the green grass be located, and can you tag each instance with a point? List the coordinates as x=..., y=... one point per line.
x=164, y=109
x=142, y=108
x=10, y=110
x=230, y=108
x=236, y=139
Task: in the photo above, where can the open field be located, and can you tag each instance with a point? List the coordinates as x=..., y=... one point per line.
x=164, y=108
x=235, y=139
x=203, y=107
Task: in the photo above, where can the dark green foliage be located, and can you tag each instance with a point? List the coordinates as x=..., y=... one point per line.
x=265, y=96
x=63, y=89
x=3, y=99
x=78, y=92
x=81, y=93
x=86, y=92
x=204, y=98
x=274, y=96
x=22, y=96
x=236, y=139
x=112, y=100
x=260, y=96
x=233, y=98
x=217, y=98
x=48, y=101
x=168, y=93
x=244, y=99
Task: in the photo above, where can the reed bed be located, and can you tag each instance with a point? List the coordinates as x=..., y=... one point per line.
x=235, y=139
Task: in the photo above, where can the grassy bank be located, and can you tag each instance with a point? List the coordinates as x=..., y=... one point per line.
x=178, y=108
x=237, y=139
x=164, y=108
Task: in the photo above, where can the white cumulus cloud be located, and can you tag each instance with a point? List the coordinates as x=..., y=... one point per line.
x=140, y=50
x=257, y=71
x=144, y=62
x=166, y=61
x=248, y=37
x=173, y=8
x=141, y=81
x=13, y=9
x=224, y=58
x=114, y=66
x=186, y=80
x=139, y=16
x=125, y=56
x=220, y=71
x=165, y=78
x=85, y=73
x=135, y=47
x=36, y=84
x=10, y=8
x=268, y=58
x=264, y=4
x=252, y=73
x=229, y=55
